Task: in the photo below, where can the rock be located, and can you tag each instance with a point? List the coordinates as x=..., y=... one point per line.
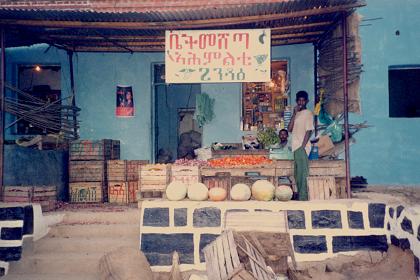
x=336, y=264
x=125, y=263
x=316, y=270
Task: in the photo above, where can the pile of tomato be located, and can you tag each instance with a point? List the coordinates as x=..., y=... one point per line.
x=239, y=161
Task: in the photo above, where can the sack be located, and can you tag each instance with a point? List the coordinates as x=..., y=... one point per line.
x=125, y=263
x=325, y=145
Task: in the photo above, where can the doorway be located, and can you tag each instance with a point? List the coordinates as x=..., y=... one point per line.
x=42, y=82
x=174, y=107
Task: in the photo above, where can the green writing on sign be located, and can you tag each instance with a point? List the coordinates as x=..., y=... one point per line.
x=221, y=74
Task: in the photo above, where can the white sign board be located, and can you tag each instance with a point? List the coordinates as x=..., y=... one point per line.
x=217, y=56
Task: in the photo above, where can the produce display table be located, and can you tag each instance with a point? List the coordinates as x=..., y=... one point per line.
x=239, y=152
x=279, y=168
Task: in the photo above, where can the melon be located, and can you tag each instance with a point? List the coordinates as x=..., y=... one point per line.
x=284, y=193
x=198, y=192
x=176, y=191
x=240, y=192
x=217, y=194
x=262, y=190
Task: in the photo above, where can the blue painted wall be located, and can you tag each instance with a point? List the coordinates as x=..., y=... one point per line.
x=29, y=167
x=97, y=74
x=389, y=152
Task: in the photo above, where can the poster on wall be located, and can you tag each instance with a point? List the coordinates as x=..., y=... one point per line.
x=125, y=101
x=217, y=56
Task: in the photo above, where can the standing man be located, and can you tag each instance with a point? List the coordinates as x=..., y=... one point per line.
x=301, y=126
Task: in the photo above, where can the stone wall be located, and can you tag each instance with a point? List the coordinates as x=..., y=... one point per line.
x=403, y=227
x=318, y=229
x=16, y=222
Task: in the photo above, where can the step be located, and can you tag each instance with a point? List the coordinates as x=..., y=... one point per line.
x=57, y=263
x=128, y=216
x=83, y=244
x=36, y=276
x=95, y=230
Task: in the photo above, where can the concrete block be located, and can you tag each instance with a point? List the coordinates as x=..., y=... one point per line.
x=12, y=213
x=418, y=233
x=180, y=217
x=326, y=219
x=400, y=208
x=11, y=233
x=156, y=217
x=296, y=219
x=356, y=243
x=376, y=215
x=10, y=253
x=355, y=219
x=310, y=244
x=405, y=244
x=207, y=217
x=391, y=212
x=158, y=248
x=28, y=222
x=406, y=225
x=395, y=241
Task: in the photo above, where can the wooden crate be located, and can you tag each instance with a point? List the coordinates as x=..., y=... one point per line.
x=46, y=196
x=268, y=170
x=336, y=168
x=233, y=257
x=218, y=180
x=251, y=177
x=124, y=170
x=122, y=192
x=150, y=194
x=87, y=192
x=154, y=177
x=321, y=188
x=87, y=171
x=185, y=174
x=105, y=149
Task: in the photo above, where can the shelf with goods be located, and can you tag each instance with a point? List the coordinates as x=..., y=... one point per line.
x=264, y=103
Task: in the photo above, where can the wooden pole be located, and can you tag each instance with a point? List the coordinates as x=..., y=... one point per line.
x=346, y=104
x=316, y=85
x=73, y=95
x=2, y=90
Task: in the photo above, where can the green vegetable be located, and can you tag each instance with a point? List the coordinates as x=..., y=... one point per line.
x=267, y=137
x=204, y=112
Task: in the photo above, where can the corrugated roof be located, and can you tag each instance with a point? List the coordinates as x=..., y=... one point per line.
x=296, y=21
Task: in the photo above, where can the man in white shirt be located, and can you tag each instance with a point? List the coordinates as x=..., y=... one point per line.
x=301, y=126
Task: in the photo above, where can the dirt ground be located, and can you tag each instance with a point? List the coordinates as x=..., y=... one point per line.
x=409, y=196
x=392, y=265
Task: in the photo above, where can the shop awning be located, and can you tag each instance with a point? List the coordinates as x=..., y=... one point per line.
x=102, y=26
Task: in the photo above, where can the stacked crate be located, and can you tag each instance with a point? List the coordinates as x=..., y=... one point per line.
x=88, y=171
x=46, y=196
x=187, y=174
x=153, y=180
x=123, y=180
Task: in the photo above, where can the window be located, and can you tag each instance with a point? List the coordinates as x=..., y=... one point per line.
x=263, y=104
x=42, y=82
x=404, y=91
